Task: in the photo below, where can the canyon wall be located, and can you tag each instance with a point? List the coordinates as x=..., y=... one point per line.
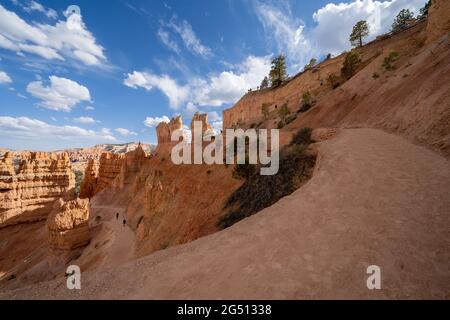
x=28, y=194
x=114, y=170
x=248, y=111
x=68, y=224
x=89, y=182
x=132, y=164
x=438, y=20
x=109, y=169
x=248, y=108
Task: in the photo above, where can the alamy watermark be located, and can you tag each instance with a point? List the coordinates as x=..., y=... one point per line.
x=374, y=280
x=73, y=274
x=247, y=146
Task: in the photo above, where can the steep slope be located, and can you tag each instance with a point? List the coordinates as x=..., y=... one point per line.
x=374, y=199
x=412, y=99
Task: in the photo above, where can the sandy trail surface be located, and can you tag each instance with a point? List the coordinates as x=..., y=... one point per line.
x=122, y=237
x=374, y=199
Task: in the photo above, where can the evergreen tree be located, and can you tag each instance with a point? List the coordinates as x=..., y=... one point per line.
x=264, y=83
x=311, y=64
x=401, y=21
x=278, y=72
x=423, y=13
x=360, y=31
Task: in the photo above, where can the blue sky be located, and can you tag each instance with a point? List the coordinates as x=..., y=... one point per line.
x=111, y=72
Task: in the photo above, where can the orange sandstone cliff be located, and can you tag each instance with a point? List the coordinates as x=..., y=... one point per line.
x=68, y=224
x=28, y=193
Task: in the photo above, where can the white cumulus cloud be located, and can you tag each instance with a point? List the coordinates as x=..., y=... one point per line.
x=215, y=90
x=61, y=95
x=176, y=93
x=335, y=21
x=126, y=132
x=333, y=24
x=85, y=120
x=4, y=78
x=154, y=121
x=65, y=39
x=28, y=128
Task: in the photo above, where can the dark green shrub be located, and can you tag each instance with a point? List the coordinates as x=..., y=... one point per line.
x=259, y=192
x=307, y=102
x=244, y=171
x=333, y=81
x=280, y=124
x=302, y=137
x=390, y=60
x=284, y=112
x=290, y=118
x=375, y=75
x=351, y=62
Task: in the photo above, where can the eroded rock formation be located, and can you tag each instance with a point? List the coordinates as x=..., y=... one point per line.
x=90, y=180
x=109, y=169
x=132, y=163
x=203, y=118
x=68, y=224
x=114, y=170
x=28, y=194
x=164, y=130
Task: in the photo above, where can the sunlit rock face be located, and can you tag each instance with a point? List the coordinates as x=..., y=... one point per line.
x=68, y=224
x=28, y=193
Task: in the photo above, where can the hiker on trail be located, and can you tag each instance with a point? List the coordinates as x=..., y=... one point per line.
x=117, y=216
x=124, y=222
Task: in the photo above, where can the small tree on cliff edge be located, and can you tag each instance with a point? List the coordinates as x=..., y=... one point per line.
x=360, y=31
x=401, y=21
x=423, y=13
x=264, y=83
x=311, y=64
x=278, y=72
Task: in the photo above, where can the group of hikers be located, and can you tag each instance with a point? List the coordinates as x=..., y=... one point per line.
x=124, y=222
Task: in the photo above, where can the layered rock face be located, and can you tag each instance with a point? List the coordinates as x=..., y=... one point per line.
x=114, y=170
x=132, y=163
x=28, y=194
x=164, y=133
x=164, y=130
x=89, y=183
x=438, y=19
x=203, y=118
x=68, y=224
x=109, y=169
